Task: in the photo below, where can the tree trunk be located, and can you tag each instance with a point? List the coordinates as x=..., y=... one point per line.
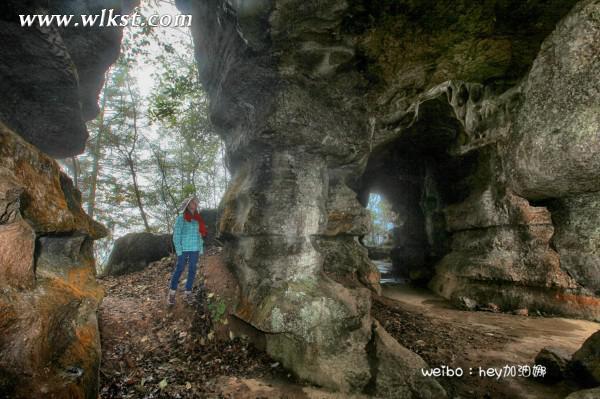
x=75, y=172
x=91, y=205
x=138, y=194
x=131, y=164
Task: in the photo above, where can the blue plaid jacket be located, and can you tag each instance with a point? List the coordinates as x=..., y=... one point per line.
x=186, y=236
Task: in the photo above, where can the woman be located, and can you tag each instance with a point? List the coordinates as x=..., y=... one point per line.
x=188, y=235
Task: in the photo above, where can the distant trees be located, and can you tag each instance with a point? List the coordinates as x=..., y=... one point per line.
x=383, y=219
x=148, y=149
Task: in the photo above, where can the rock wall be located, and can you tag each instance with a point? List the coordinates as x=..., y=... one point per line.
x=314, y=99
x=527, y=239
x=491, y=110
x=51, y=76
x=49, y=345
x=50, y=79
x=291, y=219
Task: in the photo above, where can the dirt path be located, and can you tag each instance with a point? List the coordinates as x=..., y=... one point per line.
x=152, y=351
x=443, y=335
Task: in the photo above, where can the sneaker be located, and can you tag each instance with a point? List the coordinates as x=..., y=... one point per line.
x=171, y=298
x=188, y=297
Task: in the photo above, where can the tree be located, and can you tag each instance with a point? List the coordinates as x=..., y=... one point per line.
x=95, y=146
x=382, y=217
x=148, y=151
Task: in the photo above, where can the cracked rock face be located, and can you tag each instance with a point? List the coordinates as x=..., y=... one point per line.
x=48, y=291
x=52, y=76
x=321, y=103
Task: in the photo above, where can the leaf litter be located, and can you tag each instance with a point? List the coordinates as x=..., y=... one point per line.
x=150, y=350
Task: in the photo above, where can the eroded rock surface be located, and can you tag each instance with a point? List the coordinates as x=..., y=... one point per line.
x=51, y=76
x=320, y=103
x=478, y=120
x=49, y=345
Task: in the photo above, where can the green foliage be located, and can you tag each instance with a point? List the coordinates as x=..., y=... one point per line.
x=383, y=218
x=217, y=308
x=188, y=190
x=150, y=149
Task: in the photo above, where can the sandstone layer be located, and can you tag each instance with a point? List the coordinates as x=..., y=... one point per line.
x=49, y=345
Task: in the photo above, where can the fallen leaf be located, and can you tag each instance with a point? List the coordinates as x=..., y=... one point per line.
x=163, y=384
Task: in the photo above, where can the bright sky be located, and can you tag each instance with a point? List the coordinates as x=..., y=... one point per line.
x=144, y=74
x=147, y=66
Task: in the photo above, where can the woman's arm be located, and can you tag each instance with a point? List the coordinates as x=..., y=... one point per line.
x=177, y=235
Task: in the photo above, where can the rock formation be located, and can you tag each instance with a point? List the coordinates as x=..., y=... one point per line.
x=477, y=120
x=51, y=76
x=451, y=111
x=49, y=345
x=50, y=79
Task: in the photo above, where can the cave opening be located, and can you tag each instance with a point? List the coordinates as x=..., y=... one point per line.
x=380, y=240
x=420, y=173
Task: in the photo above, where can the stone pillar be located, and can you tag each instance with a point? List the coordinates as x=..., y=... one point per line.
x=290, y=219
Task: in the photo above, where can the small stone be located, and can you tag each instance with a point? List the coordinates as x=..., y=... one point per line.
x=492, y=307
x=467, y=303
x=521, y=312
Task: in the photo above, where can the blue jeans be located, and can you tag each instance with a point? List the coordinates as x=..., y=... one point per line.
x=191, y=257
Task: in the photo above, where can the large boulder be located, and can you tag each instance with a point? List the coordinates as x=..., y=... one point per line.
x=134, y=251
x=556, y=362
x=586, y=361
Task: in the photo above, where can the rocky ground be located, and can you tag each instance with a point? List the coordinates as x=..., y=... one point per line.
x=150, y=350
x=444, y=335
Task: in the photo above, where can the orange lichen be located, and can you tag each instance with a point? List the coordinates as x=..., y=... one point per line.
x=580, y=300
x=87, y=341
x=73, y=287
